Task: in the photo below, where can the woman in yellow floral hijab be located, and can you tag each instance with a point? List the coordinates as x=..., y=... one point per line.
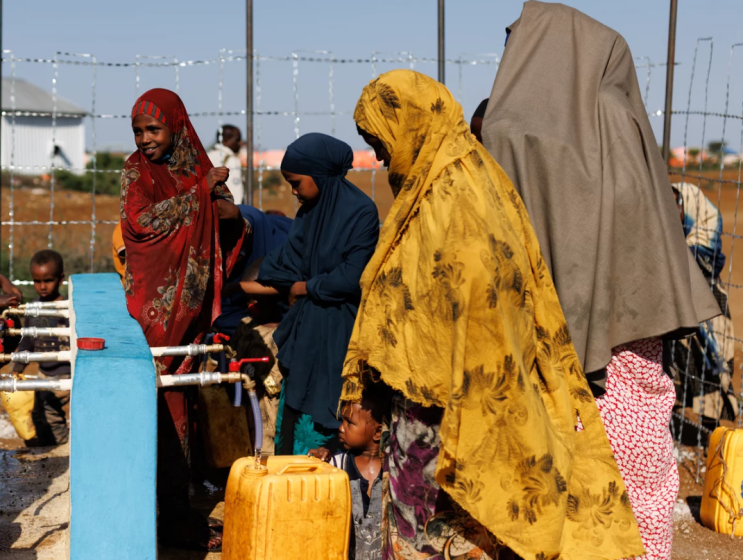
x=494, y=434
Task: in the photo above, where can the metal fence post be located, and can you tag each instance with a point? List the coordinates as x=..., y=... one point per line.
x=249, y=100
x=669, y=81
x=442, y=50
x=1, y=128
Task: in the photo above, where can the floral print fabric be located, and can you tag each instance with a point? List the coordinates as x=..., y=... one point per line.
x=419, y=520
x=170, y=223
x=459, y=312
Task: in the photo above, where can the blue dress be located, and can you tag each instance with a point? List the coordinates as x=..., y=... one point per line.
x=329, y=245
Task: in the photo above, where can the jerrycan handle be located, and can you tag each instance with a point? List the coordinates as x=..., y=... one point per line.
x=298, y=466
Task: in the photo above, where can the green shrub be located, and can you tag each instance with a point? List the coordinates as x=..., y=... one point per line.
x=105, y=183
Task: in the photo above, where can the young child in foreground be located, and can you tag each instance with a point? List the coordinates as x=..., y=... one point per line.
x=49, y=417
x=254, y=339
x=360, y=433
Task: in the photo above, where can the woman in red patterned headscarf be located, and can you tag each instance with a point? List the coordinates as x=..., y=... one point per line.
x=174, y=205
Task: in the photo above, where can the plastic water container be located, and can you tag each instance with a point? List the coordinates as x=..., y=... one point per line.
x=19, y=406
x=722, y=500
x=294, y=507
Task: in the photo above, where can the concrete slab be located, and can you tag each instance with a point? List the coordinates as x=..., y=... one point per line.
x=113, y=428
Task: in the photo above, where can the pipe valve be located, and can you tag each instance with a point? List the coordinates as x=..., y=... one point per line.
x=235, y=365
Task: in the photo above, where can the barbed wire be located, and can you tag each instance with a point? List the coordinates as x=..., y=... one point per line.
x=238, y=58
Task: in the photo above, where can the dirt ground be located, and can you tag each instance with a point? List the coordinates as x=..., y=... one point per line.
x=34, y=502
x=691, y=540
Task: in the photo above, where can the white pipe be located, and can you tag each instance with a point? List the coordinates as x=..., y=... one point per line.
x=190, y=350
x=12, y=385
x=59, y=313
x=26, y=357
x=36, y=312
x=204, y=378
x=63, y=304
x=35, y=332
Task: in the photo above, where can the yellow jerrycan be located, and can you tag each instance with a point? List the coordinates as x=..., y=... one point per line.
x=294, y=507
x=722, y=500
x=19, y=406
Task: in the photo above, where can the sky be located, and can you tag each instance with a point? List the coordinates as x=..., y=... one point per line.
x=196, y=30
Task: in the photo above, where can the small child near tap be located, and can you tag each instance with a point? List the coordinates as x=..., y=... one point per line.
x=361, y=433
x=49, y=415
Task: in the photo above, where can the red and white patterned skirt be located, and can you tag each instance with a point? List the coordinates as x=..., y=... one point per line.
x=636, y=410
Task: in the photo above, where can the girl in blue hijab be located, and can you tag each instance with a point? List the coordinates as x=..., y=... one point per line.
x=319, y=266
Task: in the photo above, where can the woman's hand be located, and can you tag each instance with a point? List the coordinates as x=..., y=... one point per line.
x=228, y=210
x=217, y=175
x=298, y=290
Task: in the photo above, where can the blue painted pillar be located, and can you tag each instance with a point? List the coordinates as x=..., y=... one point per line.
x=113, y=454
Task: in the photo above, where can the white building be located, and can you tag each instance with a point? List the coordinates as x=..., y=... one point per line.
x=29, y=141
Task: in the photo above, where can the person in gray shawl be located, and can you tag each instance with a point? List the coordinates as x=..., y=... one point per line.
x=567, y=123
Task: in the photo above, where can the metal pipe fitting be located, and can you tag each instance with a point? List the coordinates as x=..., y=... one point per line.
x=57, y=313
x=11, y=385
x=36, y=312
x=203, y=378
x=35, y=332
x=190, y=350
x=26, y=357
x=63, y=304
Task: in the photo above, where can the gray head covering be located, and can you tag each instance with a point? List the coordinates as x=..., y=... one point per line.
x=567, y=123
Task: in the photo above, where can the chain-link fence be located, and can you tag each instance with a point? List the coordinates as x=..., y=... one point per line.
x=309, y=91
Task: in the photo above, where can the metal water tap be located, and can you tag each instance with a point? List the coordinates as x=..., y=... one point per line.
x=221, y=338
x=236, y=366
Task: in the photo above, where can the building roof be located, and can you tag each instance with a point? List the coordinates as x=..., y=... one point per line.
x=31, y=98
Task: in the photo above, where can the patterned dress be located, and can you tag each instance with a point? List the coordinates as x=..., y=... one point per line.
x=419, y=519
x=170, y=224
x=636, y=410
x=174, y=269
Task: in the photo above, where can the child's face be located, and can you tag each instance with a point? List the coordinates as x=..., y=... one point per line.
x=358, y=430
x=46, y=281
x=153, y=139
x=303, y=186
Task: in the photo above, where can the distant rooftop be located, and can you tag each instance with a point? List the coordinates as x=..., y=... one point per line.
x=31, y=98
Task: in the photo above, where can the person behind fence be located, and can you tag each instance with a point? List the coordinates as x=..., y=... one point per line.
x=183, y=235
x=225, y=154
x=318, y=268
x=703, y=363
x=360, y=434
x=567, y=122
x=254, y=339
x=49, y=416
x=459, y=316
